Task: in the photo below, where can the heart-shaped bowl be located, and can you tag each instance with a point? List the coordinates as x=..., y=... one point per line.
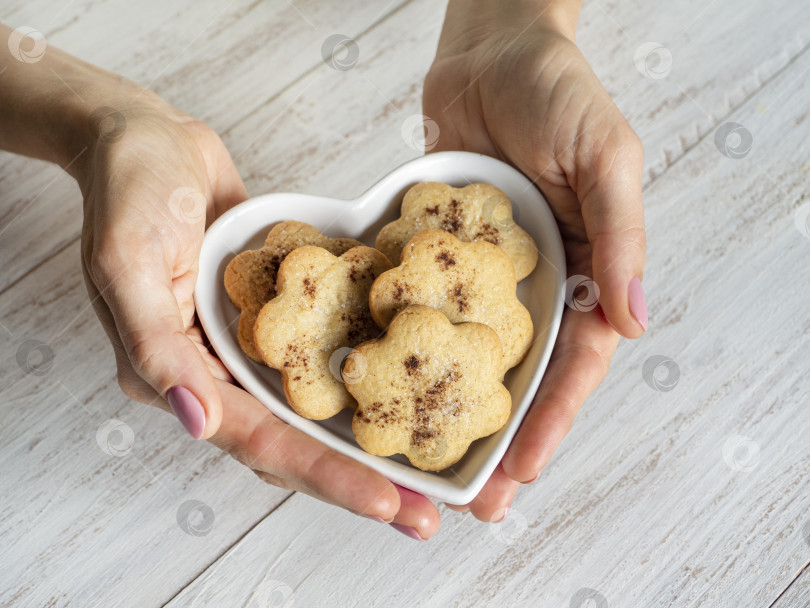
x=245, y=227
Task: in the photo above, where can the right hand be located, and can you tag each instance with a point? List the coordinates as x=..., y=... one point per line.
x=152, y=177
x=509, y=81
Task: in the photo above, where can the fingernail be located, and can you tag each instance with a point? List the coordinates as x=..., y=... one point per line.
x=375, y=518
x=535, y=478
x=407, y=531
x=188, y=409
x=638, y=305
x=503, y=517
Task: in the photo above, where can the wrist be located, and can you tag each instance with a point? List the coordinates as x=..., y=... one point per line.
x=93, y=112
x=51, y=105
x=469, y=23
x=78, y=112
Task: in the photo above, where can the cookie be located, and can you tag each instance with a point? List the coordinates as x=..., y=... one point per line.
x=478, y=212
x=466, y=281
x=250, y=278
x=427, y=389
x=321, y=310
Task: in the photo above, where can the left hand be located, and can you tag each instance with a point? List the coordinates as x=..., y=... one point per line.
x=513, y=85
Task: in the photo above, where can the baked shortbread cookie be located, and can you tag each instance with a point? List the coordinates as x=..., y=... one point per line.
x=478, y=212
x=466, y=281
x=250, y=278
x=428, y=388
x=321, y=307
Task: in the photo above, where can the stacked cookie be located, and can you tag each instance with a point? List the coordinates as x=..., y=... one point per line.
x=419, y=350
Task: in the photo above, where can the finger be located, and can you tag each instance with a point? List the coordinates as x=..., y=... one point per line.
x=215, y=366
x=609, y=187
x=492, y=502
x=132, y=384
x=228, y=188
x=137, y=288
x=418, y=518
x=288, y=458
x=578, y=364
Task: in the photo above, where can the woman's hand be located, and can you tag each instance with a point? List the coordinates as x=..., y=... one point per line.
x=152, y=179
x=509, y=81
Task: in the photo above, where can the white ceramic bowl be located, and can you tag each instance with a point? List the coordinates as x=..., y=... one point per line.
x=246, y=225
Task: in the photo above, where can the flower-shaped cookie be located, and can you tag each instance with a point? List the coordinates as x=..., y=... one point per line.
x=466, y=281
x=478, y=212
x=321, y=309
x=428, y=388
x=250, y=278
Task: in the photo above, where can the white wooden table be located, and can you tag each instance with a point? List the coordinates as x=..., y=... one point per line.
x=695, y=496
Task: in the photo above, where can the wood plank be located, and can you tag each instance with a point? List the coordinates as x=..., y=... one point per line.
x=318, y=151
x=656, y=498
x=718, y=53
x=75, y=513
x=798, y=594
x=217, y=61
x=216, y=67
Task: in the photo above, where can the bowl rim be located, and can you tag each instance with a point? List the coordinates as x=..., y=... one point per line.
x=440, y=488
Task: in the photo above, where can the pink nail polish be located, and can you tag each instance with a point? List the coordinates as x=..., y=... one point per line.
x=407, y=531
x=375, y=518
x=188, y=409
x=638, y=305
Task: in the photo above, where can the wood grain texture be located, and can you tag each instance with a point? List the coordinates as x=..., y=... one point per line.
x=798, y=594
x=224, y=65
x=81, y=516
x=639, y=503
x=79, y=522
x=693, y=496
x=720, y=52
x=217, y=61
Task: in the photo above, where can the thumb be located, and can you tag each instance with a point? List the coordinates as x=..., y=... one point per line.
x=613, y=214
x=166, y=362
